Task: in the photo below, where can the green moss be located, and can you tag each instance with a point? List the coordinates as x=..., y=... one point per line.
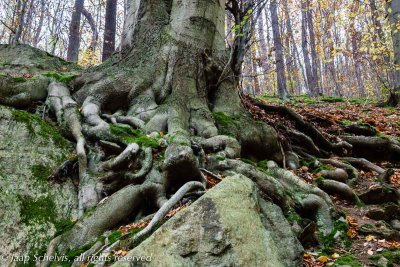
x=40, y=172
x=348, y=260
x=248, y=161
x=129, y=136
x=292, y=216
x=324, y=167
x=392, y=255
x=63, y=226
x=263, y=165
x=114, y=236
x=73, y=253
x=337, y=237
x=332, y=99
x=39, y=210
x=65, y=78
x=19, y=79
x=319, y=180
x=44, y=129
x=226, y=125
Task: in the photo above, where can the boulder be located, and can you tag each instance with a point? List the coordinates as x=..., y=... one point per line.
x=228, y=226
x=32, y=209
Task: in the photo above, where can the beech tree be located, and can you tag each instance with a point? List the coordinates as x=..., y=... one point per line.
x=110, y=29
x=151, y=121
x=74, y=32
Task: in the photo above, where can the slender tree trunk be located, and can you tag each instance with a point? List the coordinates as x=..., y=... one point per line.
x=355, y=39
x=74, y=34
x=263, y=45
x=110, y=29
x=38, y=30
x=394, y=13
x=20, y=21
x=314, y=57
x=256, y=82
x=304, y=44
x=292, y=48
x=280, y=63
x=95, y=33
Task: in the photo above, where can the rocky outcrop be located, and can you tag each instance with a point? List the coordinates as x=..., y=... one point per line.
x=32, y=209
x=229, y=226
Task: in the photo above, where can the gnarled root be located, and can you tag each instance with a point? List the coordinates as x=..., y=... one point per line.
x=336, y=174
x=307, y=128
x=374, y=148
x=65, y=108
x=281, y=186
x=342, y=189
x=167, y=205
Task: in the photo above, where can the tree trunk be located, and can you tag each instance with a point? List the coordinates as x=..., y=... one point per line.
x=38, y=30
x=355, y=39
x=314, y=57
x=394, y=12
x=74, y=34
x=19, y=21
x=304, y=44
x=263, y=45
x=95, y=33
x=279, y=59
x=110, y=29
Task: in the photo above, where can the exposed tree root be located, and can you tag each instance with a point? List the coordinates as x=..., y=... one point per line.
x=337, y=174
x=336, y=187
x=167, y=206
x=282, y=187
x=374, y=148
x=363, y=163
x=307, y=128
x=351, y=171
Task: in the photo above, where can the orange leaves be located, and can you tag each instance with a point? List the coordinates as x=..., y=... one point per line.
x=311, y=260
x=121, y=253
x=175, y=211
x=352, y=232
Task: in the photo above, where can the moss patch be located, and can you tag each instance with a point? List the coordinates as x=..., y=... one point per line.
x=128, y=135
x=392, y=255
x=226, y=125
x=38, y=210
x=337, y=237
x=40, y=172
x=65, y=78
x=44, y=129
x=348, y=260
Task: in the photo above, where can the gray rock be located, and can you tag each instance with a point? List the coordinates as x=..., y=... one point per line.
x=32, y=210
x=228, y=226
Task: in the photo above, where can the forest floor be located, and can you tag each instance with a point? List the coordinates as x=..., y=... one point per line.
x=360, y=247
x=359, y=240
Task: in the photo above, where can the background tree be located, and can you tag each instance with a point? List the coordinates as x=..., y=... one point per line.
x=394, y=13
x=280, y=61
x=110, y=29
x=74, y=32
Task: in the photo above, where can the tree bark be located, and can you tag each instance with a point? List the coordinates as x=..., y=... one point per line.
x=95, y=33
x=110, y=29
x=314, y=57
x=279, y=59
x=19, y=21
x=394, y=8
x=304, y=45
x=38, y=30
x=355, y=39
x=74, y=34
